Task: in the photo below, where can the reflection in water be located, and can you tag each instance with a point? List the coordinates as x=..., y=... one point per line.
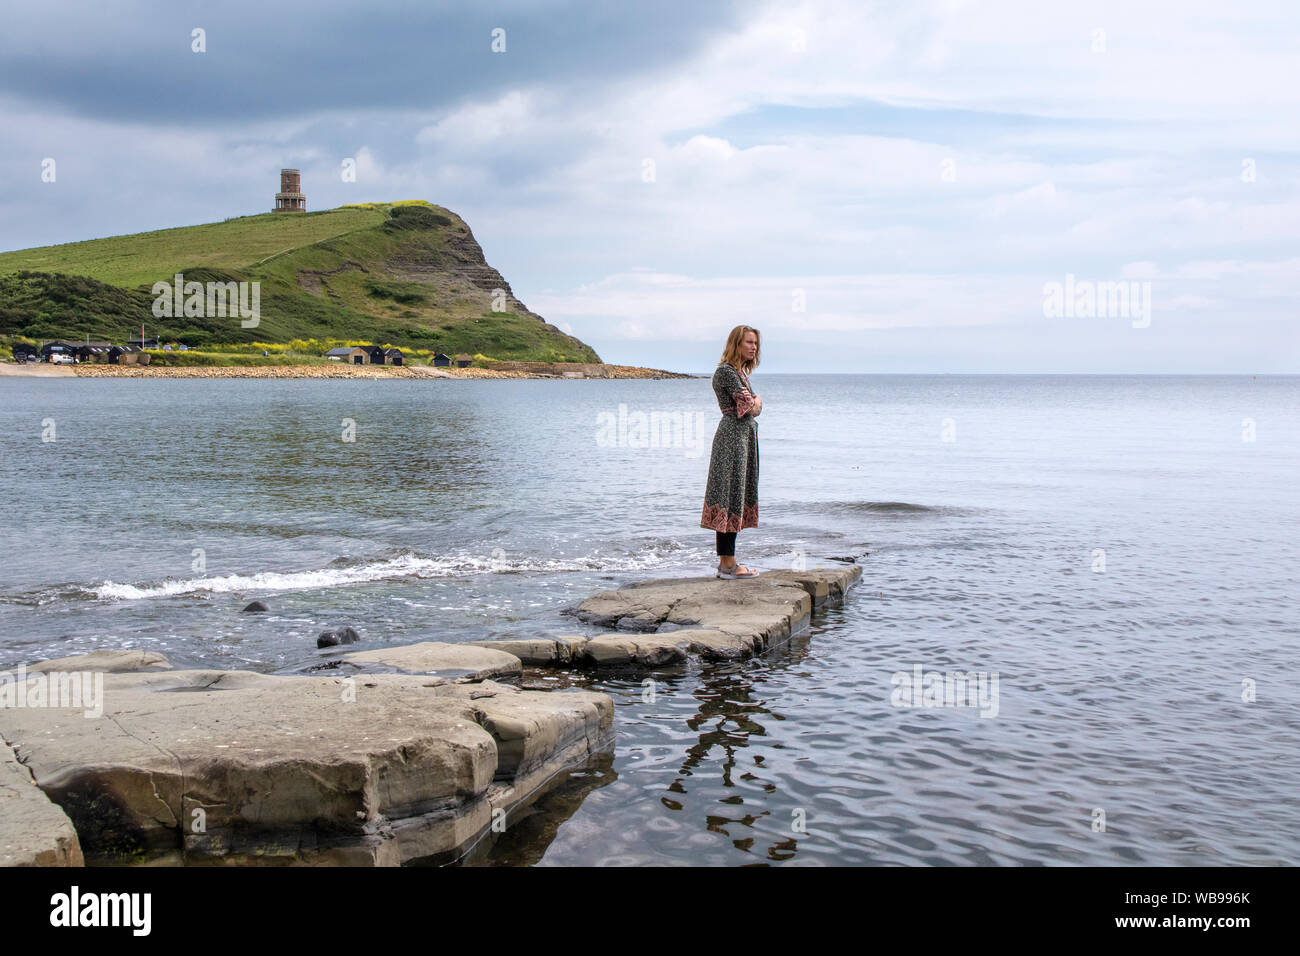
x=532, y=826
x=729, y=714
x=718, y=712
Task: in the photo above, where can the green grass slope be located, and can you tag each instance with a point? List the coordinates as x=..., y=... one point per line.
x=408, y=274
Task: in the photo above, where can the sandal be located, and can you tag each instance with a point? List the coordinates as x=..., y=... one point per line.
x=735, y=572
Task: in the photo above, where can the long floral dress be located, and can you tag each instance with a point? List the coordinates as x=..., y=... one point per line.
x=731, y=496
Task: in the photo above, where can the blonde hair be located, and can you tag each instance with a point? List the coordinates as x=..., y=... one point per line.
x=731, y=351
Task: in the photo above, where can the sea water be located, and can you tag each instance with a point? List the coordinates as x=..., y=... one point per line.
x=1119, y=551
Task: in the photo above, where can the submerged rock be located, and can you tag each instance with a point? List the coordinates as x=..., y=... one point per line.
x=342, y=635
x=375, y=769
x=254, y=607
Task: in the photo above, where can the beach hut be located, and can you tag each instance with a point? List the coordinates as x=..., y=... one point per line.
x=22, y=353
x=375, y=353
x=392, y=356
x=463, y=360
x=441, y=360
x=143, y=343
x=354, y=355
x=93, y=351
x=51, y=349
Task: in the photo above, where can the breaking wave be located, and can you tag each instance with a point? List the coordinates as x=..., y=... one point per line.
x=339, y=573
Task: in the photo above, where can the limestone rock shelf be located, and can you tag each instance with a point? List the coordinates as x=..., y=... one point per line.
x=199, y=766
x=666, y=621
x=34, y=831
x=382, y=756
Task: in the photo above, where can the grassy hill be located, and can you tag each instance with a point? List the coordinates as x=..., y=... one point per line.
x=408, y=274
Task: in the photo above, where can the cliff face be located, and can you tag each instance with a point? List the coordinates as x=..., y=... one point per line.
x=459, y=261
x=471, y=263
x=409, y=274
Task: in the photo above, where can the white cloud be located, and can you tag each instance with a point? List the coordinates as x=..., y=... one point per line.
x=485, y=124
x=640, y=305
x=1123, y=163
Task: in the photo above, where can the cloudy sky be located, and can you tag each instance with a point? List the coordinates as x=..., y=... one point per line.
x=881, y=187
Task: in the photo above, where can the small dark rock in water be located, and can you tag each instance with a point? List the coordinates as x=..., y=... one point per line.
x=849, y=558
x=256, y=606
x=342, y=635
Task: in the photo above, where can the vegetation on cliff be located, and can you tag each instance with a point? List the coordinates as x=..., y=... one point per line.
x=409, y=274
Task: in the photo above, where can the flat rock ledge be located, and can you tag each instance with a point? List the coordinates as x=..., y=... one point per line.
x=109, y=662
x=663, y=622
x=234, y=767
x=449, y=662
x=34, y=831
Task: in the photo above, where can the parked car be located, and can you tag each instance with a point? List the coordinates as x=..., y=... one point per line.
x=61, y=358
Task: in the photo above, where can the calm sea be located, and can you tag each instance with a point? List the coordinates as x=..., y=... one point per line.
x=1120, y=553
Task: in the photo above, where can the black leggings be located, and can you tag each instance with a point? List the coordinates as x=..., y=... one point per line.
x=726, y=544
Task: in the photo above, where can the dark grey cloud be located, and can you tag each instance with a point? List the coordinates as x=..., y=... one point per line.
x=267, y=60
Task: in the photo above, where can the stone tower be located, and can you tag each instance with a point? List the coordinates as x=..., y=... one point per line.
x=290, y=197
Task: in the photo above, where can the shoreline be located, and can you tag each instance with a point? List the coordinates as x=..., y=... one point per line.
x=561, y=371
x=384, y=756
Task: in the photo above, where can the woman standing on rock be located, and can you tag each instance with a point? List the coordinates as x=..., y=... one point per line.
x=731, y=496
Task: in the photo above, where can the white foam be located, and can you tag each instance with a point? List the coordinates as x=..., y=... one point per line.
x=400, y=567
